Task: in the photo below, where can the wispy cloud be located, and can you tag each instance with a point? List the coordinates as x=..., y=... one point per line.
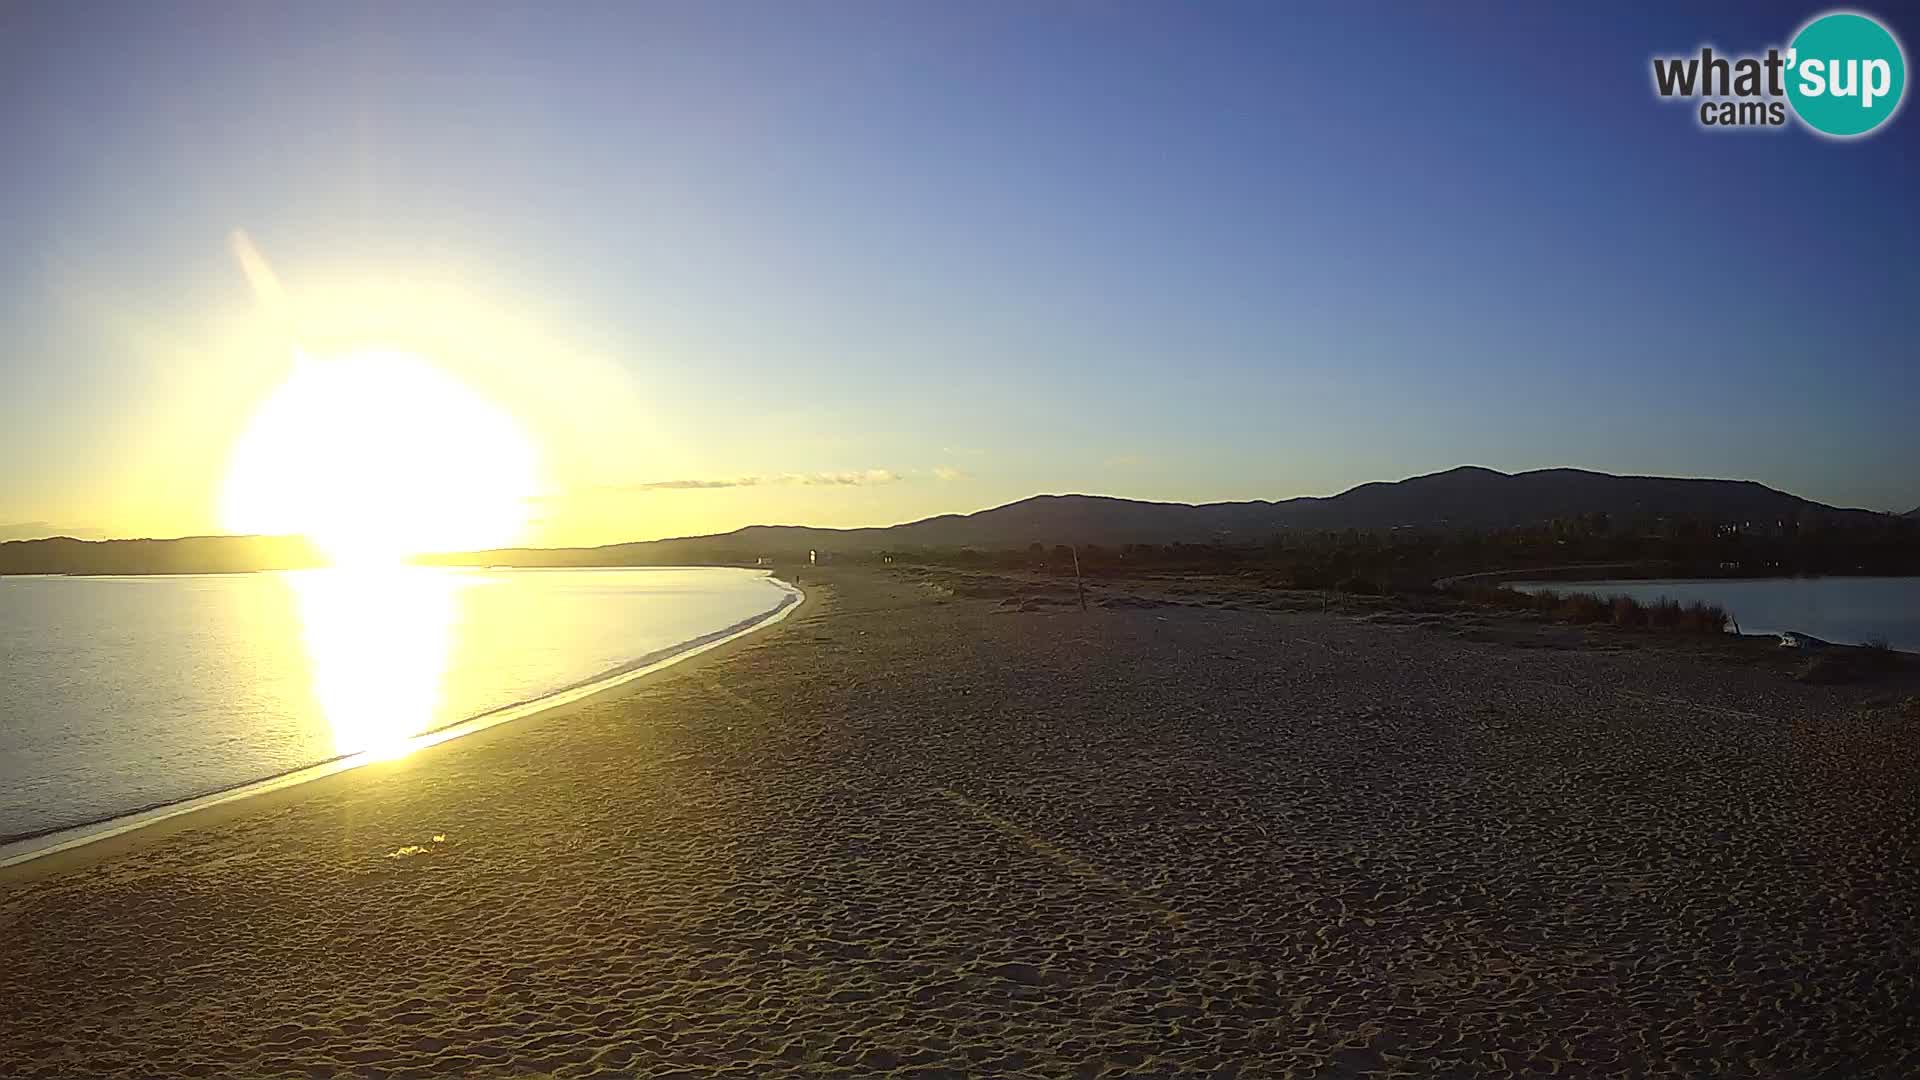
x=857, y=478
x=690, y=485
x=947, y=472
x=843, y=479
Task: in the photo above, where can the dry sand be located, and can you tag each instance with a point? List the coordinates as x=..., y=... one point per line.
x=918, y=835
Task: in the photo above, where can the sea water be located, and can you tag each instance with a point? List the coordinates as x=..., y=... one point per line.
x=122, y=693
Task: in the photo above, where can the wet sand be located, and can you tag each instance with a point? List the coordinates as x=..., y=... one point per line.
x=918, y=834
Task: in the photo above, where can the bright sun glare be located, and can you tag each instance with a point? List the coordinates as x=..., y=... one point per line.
x=376, y=456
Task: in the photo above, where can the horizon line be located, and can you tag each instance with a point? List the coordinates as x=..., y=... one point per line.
x=969, y=513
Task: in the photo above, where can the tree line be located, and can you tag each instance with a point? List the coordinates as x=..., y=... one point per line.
x=1401, y=560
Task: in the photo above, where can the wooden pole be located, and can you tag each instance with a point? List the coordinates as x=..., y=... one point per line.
x=1078, y=586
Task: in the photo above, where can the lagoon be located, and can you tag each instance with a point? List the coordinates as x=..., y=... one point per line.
x=1849, y=610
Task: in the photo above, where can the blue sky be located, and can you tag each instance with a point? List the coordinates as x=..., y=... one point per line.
x=892, y=260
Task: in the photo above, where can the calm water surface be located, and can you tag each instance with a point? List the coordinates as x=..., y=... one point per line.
x=1851, y=610
x=118, y=693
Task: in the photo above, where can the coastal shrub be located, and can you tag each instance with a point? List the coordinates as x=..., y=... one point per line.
x=1583, y=608
x=1629, y=613
x=1664, y=614
x=1702, y=618
x=1499, y=596
x=1622, y=611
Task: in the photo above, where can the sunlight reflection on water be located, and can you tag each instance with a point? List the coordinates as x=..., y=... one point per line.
x=120, y=693
x=378, y=640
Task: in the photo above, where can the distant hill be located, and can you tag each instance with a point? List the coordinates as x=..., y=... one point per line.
x=1468, y=497
x=1462, y=498
x=186, y=555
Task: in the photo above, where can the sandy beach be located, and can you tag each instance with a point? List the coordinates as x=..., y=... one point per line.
x=911, y=832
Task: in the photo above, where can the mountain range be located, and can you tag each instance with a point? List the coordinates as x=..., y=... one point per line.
x=1465, y=498
x=185, y=555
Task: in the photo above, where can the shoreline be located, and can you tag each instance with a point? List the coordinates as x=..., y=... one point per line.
x=37, y=848
x=922, y=830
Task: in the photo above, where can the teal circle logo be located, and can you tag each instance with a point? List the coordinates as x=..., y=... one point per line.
x=1845, y=74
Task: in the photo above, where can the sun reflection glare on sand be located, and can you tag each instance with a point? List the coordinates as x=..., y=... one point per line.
x=378, y=641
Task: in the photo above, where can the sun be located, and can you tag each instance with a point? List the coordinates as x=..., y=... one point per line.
x=379, y=455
